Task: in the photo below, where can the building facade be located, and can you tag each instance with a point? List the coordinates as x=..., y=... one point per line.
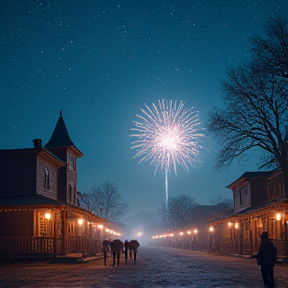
x=39, y=208
x=259, y=205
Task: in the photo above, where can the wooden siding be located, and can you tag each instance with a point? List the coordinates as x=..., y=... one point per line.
x=61, y=153
x=72, y=180
x=17, y=172
x=275, y=186
x=50, y=192
x=16, y=223
x=66, y=176
x=258, y=191
x=244, y=201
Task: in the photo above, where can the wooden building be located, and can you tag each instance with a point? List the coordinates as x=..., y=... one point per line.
x=259, y=204
x=39, y=209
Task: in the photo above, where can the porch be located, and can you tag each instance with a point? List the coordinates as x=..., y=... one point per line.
x=49, y=246
x=241, y=234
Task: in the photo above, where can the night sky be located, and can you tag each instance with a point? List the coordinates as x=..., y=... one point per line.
x=100, y=61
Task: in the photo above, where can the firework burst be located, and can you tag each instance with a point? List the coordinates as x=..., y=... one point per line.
x=167, y=136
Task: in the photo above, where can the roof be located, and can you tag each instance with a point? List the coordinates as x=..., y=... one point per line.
x=32, y=151
x=252, y=175
x=30, y=200
x=60, y=136
x=262, y=205
x=39, y=201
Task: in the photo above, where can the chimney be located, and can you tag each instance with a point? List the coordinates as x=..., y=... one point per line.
x=37, y=143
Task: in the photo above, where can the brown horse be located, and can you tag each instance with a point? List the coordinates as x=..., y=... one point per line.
x=116, y=248
x=133, y=246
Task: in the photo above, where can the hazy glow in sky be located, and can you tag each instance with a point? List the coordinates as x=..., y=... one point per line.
x=100, y=61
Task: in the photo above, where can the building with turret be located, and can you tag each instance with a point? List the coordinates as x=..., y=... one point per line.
x=39, y=209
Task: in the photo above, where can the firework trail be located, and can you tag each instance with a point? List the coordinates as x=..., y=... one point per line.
x=167, y=135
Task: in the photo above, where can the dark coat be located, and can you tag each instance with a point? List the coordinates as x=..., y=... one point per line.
x=267, y=253
x=116, y=246
x=105, y=245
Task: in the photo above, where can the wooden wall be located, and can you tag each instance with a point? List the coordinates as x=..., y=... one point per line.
x=50, y=192
x=17, y=172
x=16, y=223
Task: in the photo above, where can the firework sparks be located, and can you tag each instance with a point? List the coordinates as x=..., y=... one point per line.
x=166, y=136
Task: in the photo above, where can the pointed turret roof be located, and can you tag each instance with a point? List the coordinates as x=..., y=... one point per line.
x=60, y=136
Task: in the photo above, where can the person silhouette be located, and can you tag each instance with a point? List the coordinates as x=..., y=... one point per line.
x=126, y=247
x=105, y=248
x=267, y=257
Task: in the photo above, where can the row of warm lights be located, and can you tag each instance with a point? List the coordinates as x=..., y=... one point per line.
x=171, y=234
x=112, y=232
x=80, y=222
x=278, y=217
x=236, y=225
x=100, y=226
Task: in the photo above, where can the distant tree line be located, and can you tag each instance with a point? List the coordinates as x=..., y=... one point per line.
x=183, y=211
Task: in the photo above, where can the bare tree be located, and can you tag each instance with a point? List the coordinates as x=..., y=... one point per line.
x=223, y=208
x=86, y=201
x=256, y=103
x=179, y=210
x=271, y=51
x=104, y=201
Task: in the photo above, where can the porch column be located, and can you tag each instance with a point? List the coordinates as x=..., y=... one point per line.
x=64, y=230
x=285, y=238
x=241, y=236
x=251, y=241
x=231, y=238
x=55, y=235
